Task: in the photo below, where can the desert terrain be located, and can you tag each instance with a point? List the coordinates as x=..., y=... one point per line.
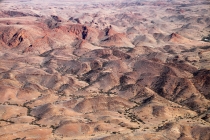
x=105, y=70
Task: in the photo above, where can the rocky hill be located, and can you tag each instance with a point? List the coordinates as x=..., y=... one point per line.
x=105, y=70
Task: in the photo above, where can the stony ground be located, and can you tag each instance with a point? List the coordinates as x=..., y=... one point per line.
x=113, y=70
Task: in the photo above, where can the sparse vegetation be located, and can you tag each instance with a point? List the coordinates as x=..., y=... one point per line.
x=103, y=72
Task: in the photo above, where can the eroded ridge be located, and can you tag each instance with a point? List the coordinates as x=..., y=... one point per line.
x=104, y=70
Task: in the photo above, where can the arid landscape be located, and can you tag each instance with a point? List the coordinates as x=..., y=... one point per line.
x=105, y=70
